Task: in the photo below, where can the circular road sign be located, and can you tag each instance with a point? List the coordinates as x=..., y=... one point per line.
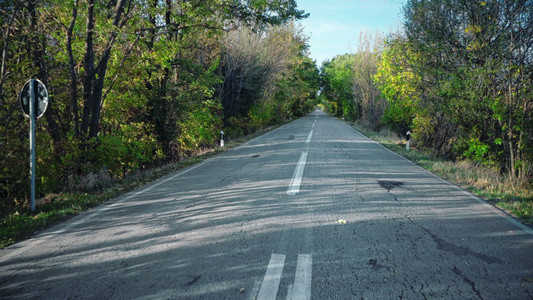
x=41, y=98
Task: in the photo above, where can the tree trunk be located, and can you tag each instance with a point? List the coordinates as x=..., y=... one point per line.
x=72, y=69
x=5, y=49
x=88, y=66
x=95, y=77
x=37, y=50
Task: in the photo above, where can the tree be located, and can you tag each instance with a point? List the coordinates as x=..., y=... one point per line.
x=474, y=61
x=338, y=86
x=366, y=94
x=348, y=82
x=398, y=84
x=254, y=66
x=132, y=83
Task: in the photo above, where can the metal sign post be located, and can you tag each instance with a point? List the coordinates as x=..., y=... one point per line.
x=33, y=101
x=32, y=143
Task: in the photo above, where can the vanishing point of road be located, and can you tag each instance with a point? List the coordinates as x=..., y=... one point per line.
x=311, y=210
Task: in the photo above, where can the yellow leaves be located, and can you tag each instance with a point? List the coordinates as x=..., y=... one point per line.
x=473, y=29
x=475, y=46
x=341, y=221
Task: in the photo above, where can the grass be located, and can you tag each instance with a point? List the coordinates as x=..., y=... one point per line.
x=90, y=191
x=508, y=193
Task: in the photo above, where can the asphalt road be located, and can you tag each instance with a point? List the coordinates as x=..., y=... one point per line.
x=312, y=210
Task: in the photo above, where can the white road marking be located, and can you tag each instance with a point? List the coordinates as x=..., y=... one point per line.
x=289, y=291
x=254, y=291
x=302, y=282
x=300, y=290
x=309, y=137
x=270, y=285
x=294, y=187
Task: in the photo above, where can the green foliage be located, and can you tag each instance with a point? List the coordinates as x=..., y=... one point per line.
x=398, y=85
x=123, y=154
x=296, y=91
x=200, y=127
x=267, y=77
x=132, y=94
x=458, y=79
x=338, y=86
x=477, y=150
x=348, y=86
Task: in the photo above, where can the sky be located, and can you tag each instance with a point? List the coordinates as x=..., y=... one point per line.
x=334, y=25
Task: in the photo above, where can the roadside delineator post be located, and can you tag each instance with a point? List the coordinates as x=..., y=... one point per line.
x=221, y=139
x=407, y=140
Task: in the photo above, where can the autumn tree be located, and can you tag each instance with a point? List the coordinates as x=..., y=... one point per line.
x=474, y=61
x=366, y=95
x=399, y=84
x=254, y=66
x=348, y=82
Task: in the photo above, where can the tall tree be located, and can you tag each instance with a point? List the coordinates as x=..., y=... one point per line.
x=474, y=61
x=398, y=83
x=366, y=94
x=95, y=69
x=132, y=83
x=337, y=86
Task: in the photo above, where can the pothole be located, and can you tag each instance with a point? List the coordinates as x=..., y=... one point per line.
x=389, y=184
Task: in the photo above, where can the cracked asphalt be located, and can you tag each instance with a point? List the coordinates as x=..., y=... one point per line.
x=365, y=224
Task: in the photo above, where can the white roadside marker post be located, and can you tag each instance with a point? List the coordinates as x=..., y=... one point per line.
x=407, y=138
x=222, y=139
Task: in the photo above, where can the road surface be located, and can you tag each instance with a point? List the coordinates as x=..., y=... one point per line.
x=311, y=210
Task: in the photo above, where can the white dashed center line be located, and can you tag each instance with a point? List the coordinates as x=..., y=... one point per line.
x=294, y=187
x=270, y=285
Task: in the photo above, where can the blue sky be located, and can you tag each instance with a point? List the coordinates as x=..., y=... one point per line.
x=334, y=25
